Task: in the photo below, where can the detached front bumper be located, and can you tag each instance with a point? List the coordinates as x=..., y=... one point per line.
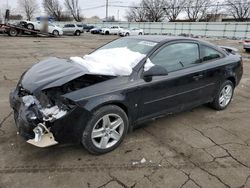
x=30, y=123
x=41, y=132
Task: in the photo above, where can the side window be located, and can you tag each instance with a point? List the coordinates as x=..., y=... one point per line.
x=208, y=53
x=177, y=56
x=50, y=24
x=71, y=25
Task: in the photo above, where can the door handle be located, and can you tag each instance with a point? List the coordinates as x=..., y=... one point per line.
x=197, y=77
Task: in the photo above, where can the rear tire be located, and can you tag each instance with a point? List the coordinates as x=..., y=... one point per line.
x=140, y=33
x=13, y=32
x=103, y=122
x=77, y=33
x=223, y=96
x=247, y=50
x=106, y=33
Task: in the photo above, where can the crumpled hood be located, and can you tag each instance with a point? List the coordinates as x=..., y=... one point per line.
x=50, y=73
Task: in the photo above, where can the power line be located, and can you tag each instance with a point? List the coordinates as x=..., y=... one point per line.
x=91, y=8
x=166, y=8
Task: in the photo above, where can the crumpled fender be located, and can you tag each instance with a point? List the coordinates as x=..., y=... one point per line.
x=107, y=92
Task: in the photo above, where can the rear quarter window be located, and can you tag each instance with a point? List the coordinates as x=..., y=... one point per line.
x=208, y=53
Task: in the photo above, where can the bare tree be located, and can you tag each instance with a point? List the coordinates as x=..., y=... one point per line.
x=29, y=7
x=239, y=9
x=53, y=8
x=74, y=8
x=136, y=14
x=174, y=8
x=154, y=10
x=197, y=9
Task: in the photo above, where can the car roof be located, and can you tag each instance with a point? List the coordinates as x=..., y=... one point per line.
x=160, y=38
x=165, y=39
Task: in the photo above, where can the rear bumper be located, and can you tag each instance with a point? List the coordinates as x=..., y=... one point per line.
x=246, y=45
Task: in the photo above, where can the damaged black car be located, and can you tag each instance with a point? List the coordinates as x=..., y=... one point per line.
x=94, y=100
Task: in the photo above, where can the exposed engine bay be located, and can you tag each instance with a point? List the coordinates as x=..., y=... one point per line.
x=47, y=106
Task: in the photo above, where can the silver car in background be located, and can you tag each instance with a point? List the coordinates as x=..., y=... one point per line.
x=246, y=45
x=72, y=29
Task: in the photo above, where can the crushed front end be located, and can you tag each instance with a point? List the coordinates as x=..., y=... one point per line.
x=34, y=118
x=44, y=117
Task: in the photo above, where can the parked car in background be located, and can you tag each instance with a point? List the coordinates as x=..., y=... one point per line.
x=131, y=32
x=52, y=28
x=95, y=100
x=72, y=29
x=95, y=30
x=86, y=27
x=113, y=30
x=246, y=45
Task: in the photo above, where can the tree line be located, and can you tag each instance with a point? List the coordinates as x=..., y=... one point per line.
x=53, y=8
x=146, y=10
x=192, y=10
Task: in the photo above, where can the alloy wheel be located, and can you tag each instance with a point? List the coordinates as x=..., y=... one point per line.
x=107, y=131
x=226, y=95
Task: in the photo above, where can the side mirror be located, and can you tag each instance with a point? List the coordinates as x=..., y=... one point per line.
x=156, y=70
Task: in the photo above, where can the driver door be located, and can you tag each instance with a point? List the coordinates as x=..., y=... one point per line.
x=181, y=88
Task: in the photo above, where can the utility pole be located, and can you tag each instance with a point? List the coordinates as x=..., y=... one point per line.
x=107, y=6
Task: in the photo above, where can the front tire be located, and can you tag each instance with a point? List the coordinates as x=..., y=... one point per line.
x=223, y=96
x=105, y=130
x=30, y=26
x=55, y=33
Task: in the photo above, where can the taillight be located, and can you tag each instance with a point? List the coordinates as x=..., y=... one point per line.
x=247, y=41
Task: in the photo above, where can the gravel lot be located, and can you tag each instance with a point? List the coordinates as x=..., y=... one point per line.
x=198, y=148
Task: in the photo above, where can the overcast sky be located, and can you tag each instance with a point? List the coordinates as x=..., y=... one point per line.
x=86, y=4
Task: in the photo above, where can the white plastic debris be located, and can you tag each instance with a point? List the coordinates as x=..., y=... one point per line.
x=143, y=160
x=115, y=61
x=53, y=113
x=135, y=163
x=50, y=114
x=28, y=100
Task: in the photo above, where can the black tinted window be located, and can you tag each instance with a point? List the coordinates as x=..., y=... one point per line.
x=177, y=56
x=208, y=53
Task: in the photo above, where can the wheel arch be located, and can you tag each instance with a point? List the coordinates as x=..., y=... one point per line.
x=55, y=30
x=114, y=102
x=232, y=79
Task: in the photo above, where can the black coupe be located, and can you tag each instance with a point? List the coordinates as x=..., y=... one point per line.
x=95, y=100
